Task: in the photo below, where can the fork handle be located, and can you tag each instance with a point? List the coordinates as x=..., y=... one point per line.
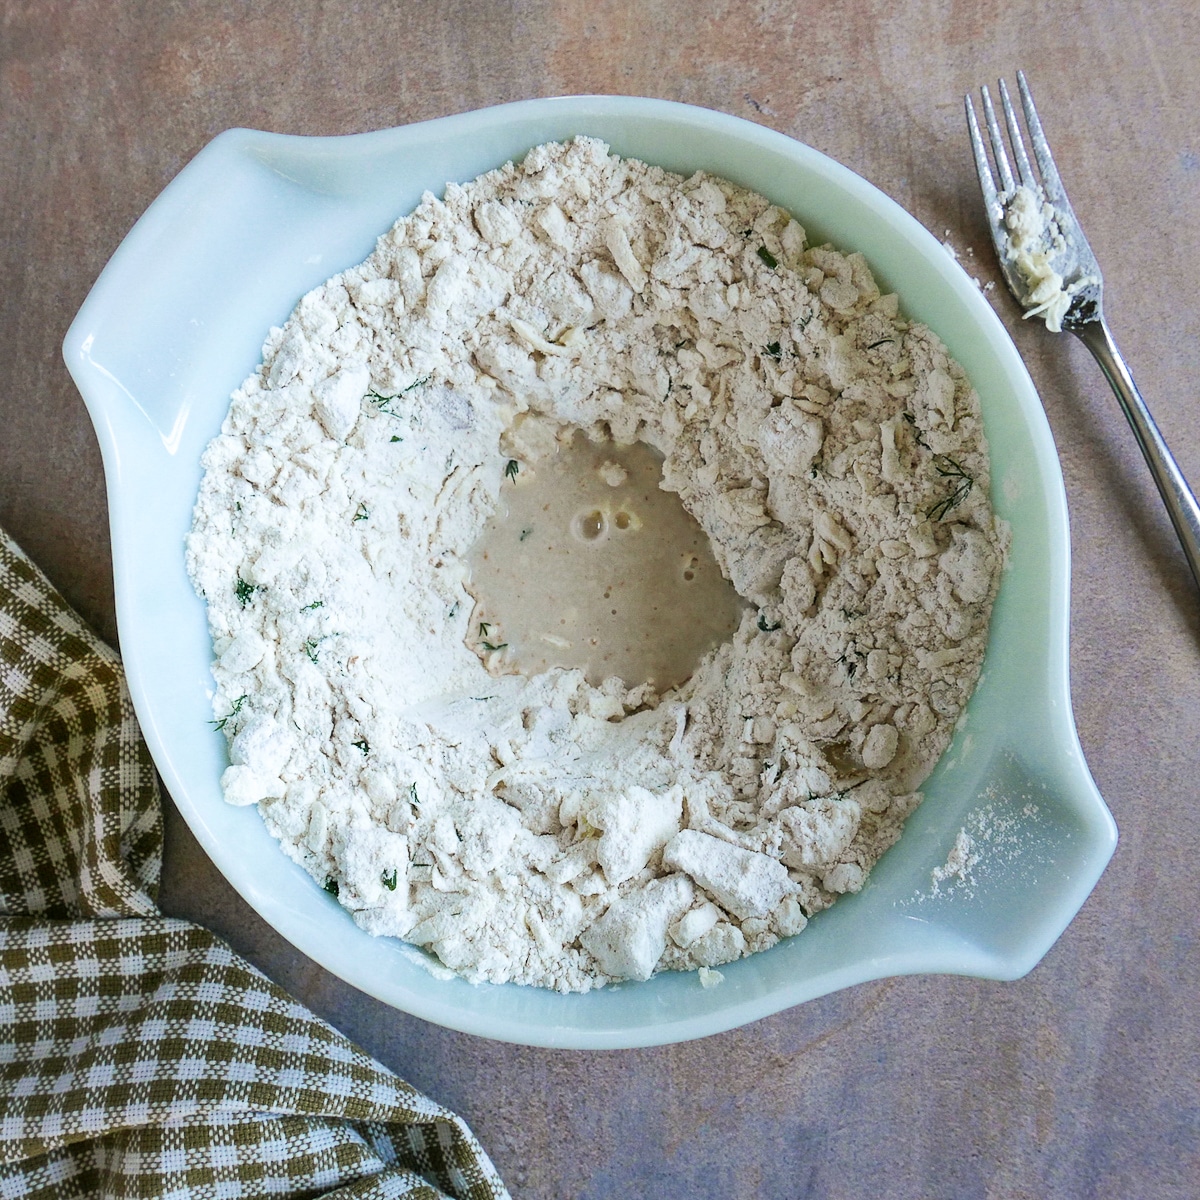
x=1172, y=486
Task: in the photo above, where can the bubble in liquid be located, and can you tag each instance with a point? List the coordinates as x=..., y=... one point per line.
x=591, y=525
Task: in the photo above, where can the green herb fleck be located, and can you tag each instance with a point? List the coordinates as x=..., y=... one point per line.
x=412, y=795
x=233, y=712
x=396, y=439
x=362, y=512
x=912, y=420
x=762, y=624
x=491, y=646
x=364, y=745
x=881, y=342
x=512, y=468
x=416, y=383
x=381, y=401
x=389, y=881
x=484, y=629
x=331, y=886
x=773, y=350
x=245, y=591
x=310, y=648
x=961, y=489
x=768, y=257
x=314, y=604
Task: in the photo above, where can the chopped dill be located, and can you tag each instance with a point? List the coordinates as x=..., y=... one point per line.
x=314, y=604
x=484, y=629
x=412, y=795
x=491, y=646
x=390, y=881
x=361, y=513
x=381, y=401
x=233, y=712
x=245, y=591
x=310, y=648
x=511, y=469
x=364, y=746
x=331, y=886
x=768, y=257
x=912, y=420
x=396, y=439
x=960, y=490
x=762, y=624
x=773, y=350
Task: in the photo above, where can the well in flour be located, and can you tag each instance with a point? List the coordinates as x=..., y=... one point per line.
x=589, y=563
x=540, y=828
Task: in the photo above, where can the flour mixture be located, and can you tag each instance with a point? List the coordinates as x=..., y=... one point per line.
x=540, y=820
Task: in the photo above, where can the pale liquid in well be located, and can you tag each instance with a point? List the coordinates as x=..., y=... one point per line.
x=616, y=578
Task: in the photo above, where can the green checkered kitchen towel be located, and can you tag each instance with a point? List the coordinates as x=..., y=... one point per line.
x=139, y=1056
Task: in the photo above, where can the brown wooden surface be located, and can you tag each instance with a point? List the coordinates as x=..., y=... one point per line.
x=1080, y=1080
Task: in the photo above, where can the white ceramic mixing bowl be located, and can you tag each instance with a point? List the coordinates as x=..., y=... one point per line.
x=177, y=320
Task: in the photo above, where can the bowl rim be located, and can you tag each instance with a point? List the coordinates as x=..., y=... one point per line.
x=109, y=398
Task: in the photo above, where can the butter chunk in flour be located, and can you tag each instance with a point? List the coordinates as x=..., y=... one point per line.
x=542, y=830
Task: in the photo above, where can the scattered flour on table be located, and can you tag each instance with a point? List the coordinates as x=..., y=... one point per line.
x=967, y=261
x=542, y=830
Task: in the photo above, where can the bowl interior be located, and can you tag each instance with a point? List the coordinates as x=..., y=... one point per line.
x=177, y=320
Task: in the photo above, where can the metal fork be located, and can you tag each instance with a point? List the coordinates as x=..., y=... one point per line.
x=1068, y=254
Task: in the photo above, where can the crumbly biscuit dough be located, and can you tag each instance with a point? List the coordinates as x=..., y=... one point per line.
x=541, y=830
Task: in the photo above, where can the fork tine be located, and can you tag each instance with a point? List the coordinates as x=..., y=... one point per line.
x=998, y=151
x=983, y=168
x=1041, y=149
x=1017, y=138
